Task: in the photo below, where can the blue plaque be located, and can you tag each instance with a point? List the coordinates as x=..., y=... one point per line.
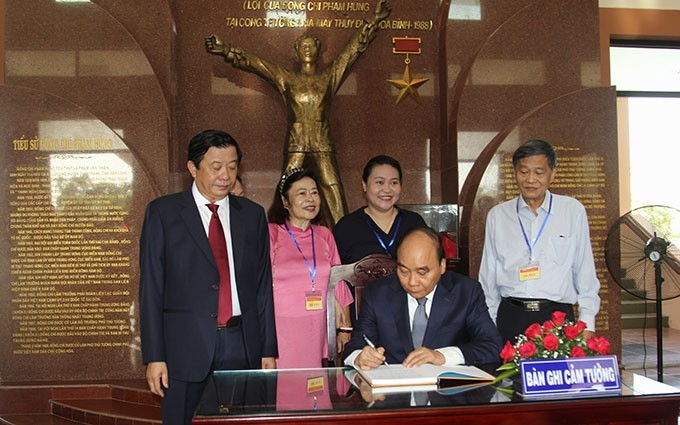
x=575, y=375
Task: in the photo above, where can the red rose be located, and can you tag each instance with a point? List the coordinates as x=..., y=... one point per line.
x=508, y=352
x=599, y=344
x=581, y=325
x=533, y=331
x=558, y=317
x=571, y=332
x=577, y=352
x=550, y=342
x=548, y=326
x=527, y=349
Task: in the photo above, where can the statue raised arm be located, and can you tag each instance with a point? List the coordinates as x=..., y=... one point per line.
x=233, y=55
x=307, y=95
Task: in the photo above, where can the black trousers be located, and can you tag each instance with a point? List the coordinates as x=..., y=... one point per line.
x=182, y=397
x=513, y=320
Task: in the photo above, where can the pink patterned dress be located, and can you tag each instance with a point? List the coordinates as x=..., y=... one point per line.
x=300, y=322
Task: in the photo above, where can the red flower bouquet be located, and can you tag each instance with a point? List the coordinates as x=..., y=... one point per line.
x=556, y=338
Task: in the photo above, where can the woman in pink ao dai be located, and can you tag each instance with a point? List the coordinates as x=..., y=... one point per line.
x=302, y=254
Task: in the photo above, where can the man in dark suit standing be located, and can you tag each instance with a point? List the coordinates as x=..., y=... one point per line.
x=186, y=332
x=446, y=309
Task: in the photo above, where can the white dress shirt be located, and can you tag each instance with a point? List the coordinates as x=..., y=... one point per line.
x=562, y=250
x=223, y=213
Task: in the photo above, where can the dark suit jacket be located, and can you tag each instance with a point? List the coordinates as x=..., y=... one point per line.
x=179, y=285
x=459, y=317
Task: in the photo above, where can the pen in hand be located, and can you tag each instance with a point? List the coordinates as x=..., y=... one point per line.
x=370, y=344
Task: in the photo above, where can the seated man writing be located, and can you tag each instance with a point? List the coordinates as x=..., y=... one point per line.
x=422, y=313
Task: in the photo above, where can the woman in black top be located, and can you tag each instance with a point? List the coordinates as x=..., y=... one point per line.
x=377, y=227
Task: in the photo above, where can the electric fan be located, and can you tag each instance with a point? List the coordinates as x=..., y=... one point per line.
x=642, y=256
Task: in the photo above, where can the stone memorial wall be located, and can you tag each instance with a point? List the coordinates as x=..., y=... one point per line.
x=101, y=97
x=71, y=209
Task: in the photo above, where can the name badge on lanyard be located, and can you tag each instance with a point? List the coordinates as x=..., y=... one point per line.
x=315, y=384
x=532, y=269
x=313, y=299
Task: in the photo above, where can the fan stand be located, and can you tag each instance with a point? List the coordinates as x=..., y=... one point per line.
x=624, y=240
x=655, y=250
x=658, y=280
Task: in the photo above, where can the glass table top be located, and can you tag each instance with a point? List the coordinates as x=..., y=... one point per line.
x=258, y=392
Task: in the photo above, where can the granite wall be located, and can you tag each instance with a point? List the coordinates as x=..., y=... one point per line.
x=100, y=99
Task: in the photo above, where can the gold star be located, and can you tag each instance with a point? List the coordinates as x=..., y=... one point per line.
x=408, y=86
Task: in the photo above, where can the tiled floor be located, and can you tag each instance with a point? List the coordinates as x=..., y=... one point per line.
x=639, y=353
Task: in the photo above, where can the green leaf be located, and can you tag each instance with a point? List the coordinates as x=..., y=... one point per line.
x=508, y=366
x=506, y=374
x=506, y=391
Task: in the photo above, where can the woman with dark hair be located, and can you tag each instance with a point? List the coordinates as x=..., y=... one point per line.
x=377, y=227
x=302, y=254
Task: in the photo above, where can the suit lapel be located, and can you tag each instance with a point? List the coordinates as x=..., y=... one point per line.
x=399, y=306
x=192, y=219
x=439, y=311
x=238, y=231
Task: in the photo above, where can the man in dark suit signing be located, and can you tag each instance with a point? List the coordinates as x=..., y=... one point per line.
x=205, y=285
x=422, y=313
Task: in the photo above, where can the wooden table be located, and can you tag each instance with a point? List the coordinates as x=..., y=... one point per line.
x=326, y=396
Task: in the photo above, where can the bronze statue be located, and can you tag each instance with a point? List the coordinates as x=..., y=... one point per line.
x=307, y=96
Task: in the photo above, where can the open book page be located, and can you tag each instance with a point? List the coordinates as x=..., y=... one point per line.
x=463, y=376
x=398, y=375
x=353, y=376
x=404, y=389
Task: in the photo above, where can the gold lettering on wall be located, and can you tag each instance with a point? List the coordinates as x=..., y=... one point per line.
x=60, y=144
x=302, y=14
x=69, y=254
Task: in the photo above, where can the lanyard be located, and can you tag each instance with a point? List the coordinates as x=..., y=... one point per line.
x=380, y=241
x=540, y=231
x=312, y=270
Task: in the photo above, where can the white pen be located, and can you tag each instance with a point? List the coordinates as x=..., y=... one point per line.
x=370, y=344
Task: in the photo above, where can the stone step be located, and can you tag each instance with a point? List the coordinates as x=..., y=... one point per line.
x=95, y=411
x=35, y=419
x=134, y=392
x=638, y=307
x=123, y=402
x=638, y=321
x=627, y=296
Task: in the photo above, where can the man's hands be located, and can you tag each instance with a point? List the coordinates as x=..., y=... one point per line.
x=366, y=391
x=157, y=377
x=424, y=355
x=268, y=363
x=157, y=374
x=370, y=358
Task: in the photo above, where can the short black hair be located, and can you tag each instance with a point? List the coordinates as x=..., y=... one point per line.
x=201, y=142
x=535, y=147
x=429, y=232
x=380, y=160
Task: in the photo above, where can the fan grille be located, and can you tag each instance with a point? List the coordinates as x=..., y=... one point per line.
x=627, y=251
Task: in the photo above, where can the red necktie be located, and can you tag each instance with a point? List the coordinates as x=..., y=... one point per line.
x=219, y=249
